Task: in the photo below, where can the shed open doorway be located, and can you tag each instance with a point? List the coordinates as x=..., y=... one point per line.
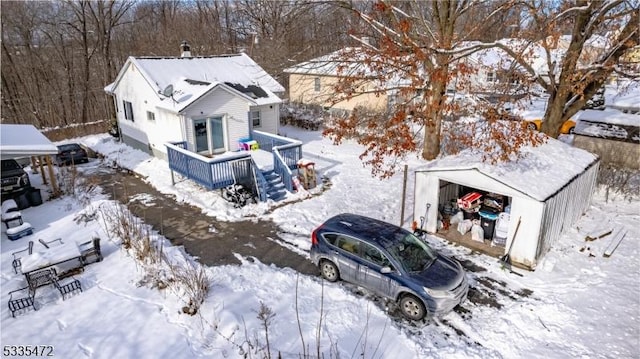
x=457, y=217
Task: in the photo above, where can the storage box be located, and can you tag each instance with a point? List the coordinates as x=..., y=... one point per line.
x=20, y=231
x=470, y=200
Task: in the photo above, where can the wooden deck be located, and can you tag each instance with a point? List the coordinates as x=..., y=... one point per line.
x=453, y=236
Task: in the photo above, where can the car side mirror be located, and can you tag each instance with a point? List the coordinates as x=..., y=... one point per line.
x=386, y=270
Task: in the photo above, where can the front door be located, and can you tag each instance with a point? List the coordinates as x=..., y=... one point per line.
x=209, y=135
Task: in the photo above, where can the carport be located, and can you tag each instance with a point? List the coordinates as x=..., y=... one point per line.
x=18, y=141
x=544, y=194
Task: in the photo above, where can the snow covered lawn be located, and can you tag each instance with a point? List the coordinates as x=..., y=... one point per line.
x=576, y=304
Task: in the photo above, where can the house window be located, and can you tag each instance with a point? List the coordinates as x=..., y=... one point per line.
x=316, y=84
x=255, y=118
x=491, y=77
x=128, y=110
x=151, y=116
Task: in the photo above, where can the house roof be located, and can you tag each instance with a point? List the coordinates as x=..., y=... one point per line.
x=628, y=98
x=542, y=172
x=347, y=61
x=193, y=77
x=24, y=140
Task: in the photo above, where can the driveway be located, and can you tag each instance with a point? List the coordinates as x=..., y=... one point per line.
x=213, y=242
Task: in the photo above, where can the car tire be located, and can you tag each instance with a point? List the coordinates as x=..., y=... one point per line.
x=329, y=271
x=532, y=126
x=572, y=130
x=412, y=307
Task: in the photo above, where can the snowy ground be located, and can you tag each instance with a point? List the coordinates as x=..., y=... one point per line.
x=577, y=304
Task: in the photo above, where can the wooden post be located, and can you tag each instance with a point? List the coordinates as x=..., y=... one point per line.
x=34, y=165
x=404, y=195
x=54, y=185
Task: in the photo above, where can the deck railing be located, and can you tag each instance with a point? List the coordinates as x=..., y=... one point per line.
x=286, y=154
x=261, y=182
x=212, y=173
x=215, y=173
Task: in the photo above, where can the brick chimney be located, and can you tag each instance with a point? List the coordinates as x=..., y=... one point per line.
x=185, y=49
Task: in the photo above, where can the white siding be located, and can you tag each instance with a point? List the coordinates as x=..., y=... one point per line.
x=269, y=118
x=231, y=107
x=166, y=127
x=566, y=207
x=527, y=239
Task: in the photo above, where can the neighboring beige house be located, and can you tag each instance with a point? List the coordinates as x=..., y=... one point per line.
x=313, y=82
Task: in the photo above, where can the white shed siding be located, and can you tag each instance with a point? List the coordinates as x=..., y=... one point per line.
x=231, y=107
x=426, y=192
x=525, y=242
x=566, y=207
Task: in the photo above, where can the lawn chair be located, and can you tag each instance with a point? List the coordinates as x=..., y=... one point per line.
x=21, y=303
x=47, y=244
x=91, y=248
x=41, y=277
x=68, y=288
x=19, y=254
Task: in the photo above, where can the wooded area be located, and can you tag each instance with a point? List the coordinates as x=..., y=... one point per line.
x=58, y=56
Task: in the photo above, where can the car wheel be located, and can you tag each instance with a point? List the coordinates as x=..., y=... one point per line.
x=412, y=307
x=329, y=271
x=572, y=130
x=532, y=126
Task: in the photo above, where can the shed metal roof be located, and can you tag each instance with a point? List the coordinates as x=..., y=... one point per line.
x=541, y=173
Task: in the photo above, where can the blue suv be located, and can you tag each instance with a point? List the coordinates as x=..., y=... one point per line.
x=389, y=261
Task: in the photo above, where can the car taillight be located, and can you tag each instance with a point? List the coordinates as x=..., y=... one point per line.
x=314, y=237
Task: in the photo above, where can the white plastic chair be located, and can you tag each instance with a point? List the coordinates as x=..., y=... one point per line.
x=501, y=229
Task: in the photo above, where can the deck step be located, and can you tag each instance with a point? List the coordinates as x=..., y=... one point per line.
x=276, y=190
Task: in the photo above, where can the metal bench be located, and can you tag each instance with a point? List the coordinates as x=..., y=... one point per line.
x=19, y=254
x=22, y=303
x=91, y=248
x=68, y=288
x=42, y=277
x=47, y=243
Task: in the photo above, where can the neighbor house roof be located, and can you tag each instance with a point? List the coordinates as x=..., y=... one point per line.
x=24, y=140
x=193, y=77
x=542, y=172
x=345, y=62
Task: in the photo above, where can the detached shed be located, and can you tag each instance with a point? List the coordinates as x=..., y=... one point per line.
x=546, y=191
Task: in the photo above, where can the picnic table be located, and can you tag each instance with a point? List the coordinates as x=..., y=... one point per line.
x=58, y=256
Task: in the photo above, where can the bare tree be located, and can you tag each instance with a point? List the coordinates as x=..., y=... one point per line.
x=419, y=48
x=598, y=34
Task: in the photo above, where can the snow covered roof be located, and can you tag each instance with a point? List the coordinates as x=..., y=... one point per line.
x=192, y=77
x=628, y=98
x=542, y=172
x=24, y=140
x=610, y=116
x=343, y=62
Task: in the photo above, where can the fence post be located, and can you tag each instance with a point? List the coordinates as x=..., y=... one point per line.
x=404, y=195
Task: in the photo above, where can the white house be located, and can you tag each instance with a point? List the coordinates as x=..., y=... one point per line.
x=546, y=191
x=208, y=101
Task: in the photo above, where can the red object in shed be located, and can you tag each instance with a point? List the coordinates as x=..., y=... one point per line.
x=470, y=200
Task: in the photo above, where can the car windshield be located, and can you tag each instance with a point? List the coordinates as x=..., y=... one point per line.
x=412, y=253
x=70, y=147
x=9, y=165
